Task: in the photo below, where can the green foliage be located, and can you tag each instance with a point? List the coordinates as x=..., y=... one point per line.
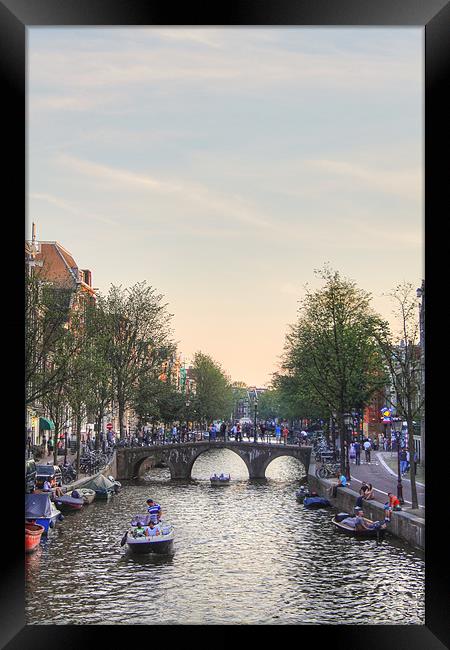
x=213, y=392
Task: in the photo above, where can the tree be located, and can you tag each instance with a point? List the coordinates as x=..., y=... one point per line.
x=46, y=317
x=332, y=353
x=136, y=324
x=404, y=366
x=213, y=393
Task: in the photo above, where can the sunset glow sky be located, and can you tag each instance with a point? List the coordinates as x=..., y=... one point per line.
x=224, y=165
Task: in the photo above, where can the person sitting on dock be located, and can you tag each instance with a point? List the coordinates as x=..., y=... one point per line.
x=342, y=482
x=368, y=494
x=154, y=510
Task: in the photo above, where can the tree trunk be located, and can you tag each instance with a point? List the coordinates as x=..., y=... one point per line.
x=414, y=500
x=121, y=417
x=342, y=438
x=55, y=444
x=78, y=421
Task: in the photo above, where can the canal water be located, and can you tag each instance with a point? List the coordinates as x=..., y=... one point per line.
x=246, y=553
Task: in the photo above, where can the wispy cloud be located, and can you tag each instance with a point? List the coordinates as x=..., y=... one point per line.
x=235, y=207
x=405, y=183
x=69, y=207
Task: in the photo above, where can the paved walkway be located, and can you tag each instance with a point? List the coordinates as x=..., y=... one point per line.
x=384, y=480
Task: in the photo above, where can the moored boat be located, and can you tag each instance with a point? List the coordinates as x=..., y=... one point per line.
x=40, y=509
x=362, y=533
x=302, y=493
x=86, y=494
x=102, y=486
x=33, y=534
x=68, y=502
x=159, y=541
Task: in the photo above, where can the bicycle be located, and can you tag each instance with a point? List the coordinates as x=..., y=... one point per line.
x=328, y=469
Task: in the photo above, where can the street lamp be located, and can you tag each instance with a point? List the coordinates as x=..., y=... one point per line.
x=399, y=474
x=347, y=422
x=256, y=410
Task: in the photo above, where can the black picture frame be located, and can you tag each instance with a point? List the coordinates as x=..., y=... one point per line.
x=434, y=16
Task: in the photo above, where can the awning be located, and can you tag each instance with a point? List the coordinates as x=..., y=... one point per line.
x=46, y=424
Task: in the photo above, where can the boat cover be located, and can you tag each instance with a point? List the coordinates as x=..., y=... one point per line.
x=38, y=506
x=69, y=500
x=316, y=501
x=100, y=483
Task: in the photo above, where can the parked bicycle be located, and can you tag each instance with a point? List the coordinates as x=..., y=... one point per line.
x=328, y=469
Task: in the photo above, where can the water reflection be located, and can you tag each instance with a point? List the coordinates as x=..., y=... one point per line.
x=245, y=553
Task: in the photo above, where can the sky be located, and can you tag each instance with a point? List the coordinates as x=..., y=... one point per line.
x=224, y=165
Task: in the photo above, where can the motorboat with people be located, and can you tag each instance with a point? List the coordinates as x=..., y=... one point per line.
x=102, y=486
x=314, y=501
x=33, y=534
x=146, y=536
x=68, y=502
x=302, y=493
x=40, y=509
x=376, y=529
x=222, y=479
x=86, y=494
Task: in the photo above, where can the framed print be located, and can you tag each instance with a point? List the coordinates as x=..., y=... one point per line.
x=211, y=179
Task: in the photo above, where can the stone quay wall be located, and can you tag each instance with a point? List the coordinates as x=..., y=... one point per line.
x=403, y=524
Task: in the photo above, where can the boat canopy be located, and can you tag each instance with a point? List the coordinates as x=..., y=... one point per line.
x=99, y=482
x=38, y=506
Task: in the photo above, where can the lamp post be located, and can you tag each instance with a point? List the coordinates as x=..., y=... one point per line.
x=65, y=447
x=347, y=422
x=256, y=410
x=399, y=474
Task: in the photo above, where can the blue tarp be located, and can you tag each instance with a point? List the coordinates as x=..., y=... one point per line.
x=316, y=501
x=37, y=506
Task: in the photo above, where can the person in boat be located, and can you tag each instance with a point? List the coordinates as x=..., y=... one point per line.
x=151, y=529
x=50, y=486
x=214, y=477
x=357, y=522
x=139, y=531
x=154, y=510
x=223, y=477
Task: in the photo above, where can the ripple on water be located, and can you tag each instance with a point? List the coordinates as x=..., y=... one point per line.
x=246, y=553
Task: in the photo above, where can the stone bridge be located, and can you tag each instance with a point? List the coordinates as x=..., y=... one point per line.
x=180, y=457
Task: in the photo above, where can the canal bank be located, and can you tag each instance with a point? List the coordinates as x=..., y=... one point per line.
x=403, y=524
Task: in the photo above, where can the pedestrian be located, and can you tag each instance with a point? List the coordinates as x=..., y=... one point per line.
x=238, y=432
x=403, y=461
x=367, y=446
x=285, y=434
x=357, y=447
x=278, y=433
x=352, y=453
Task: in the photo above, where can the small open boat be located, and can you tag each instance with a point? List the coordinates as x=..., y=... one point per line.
x=364, y=533
x=223, y=479
x=316, y=502
x=83, y=493
x=33, y=534
x=67, y=502
x=161, y=542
